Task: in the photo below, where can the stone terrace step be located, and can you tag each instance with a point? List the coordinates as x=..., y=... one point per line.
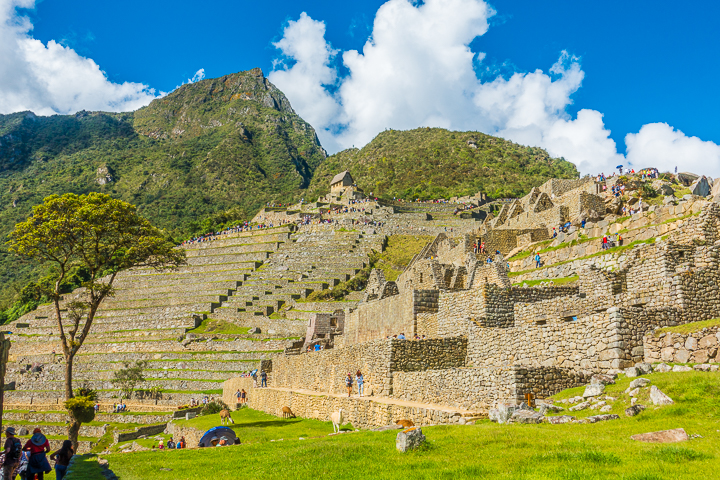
x=182, y=279
x=221, y=258
x=239, y=248
x=225, y=267
x=166, y=301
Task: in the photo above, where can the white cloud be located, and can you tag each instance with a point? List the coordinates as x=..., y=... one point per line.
x=306, y=81
x=660, y=145
x=416, y=69
x=50, y=79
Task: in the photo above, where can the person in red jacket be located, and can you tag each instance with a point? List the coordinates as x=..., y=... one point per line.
x=38, y=446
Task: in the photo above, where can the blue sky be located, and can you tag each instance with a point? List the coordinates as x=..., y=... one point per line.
x=644, y=62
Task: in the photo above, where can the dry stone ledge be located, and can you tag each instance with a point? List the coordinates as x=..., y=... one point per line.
x=580, y=406
x=409, y=439
x=658, y=397
x=664, y=436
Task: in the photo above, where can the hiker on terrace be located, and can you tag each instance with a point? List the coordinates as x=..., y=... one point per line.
x=263, y=378
x=238, y=395
x=243, y=396
x=360, y=382
x=13, y=451
x=38, y=446
x=349, y=383
x=604, y=242
x=538, y=260
x=62, y=459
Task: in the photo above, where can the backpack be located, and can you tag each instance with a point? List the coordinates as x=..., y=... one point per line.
x=15, y=450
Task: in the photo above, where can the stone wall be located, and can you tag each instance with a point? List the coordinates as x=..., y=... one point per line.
x=360, y=412
x=325, y=370
x=700, y=346
x=377, y=319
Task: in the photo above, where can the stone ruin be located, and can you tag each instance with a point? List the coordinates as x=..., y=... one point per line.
x=484, y=337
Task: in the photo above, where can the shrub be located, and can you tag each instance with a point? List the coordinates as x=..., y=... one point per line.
x=216, y=406
x=82, y=409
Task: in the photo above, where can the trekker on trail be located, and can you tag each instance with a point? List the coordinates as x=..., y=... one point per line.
x=62, y=459
x=13, y=451
x=349, y=383
x=263, y=378
x=238, y=395
x=604, y=242
x=619, y=240
x=243, y=397
x=38, y=446
x=360, y=381
x=538, y=260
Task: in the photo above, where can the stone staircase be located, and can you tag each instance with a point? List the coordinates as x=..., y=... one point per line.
x=148, y=319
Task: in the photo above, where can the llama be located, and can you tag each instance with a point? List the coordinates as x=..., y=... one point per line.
x=337, y=419
x=287, y=413
x=225, y=416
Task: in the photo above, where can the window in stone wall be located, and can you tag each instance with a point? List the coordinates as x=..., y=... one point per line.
x=541, y=322
x=571, y=318
x=333, y=321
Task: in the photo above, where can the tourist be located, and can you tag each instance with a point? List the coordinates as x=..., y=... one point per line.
x=62, y=459
x=38, y=446
x=13, y=450
x=214, y=441
x=538, y=260
x=401, y=336
x=604, y=242
x=619, y=239
x=263, y=378
x=349, y=383
x=171, y=444
x=360, y=382
x=161, y=445
x=243, y=396
x=181, y=443
x=237, y=395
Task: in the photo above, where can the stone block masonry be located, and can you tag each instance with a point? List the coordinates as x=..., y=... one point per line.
x=700, y=346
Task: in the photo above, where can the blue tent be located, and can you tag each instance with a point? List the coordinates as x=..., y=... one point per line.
x=218, y=432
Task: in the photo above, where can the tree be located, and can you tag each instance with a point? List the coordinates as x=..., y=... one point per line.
x=99, y=234
x=126, y=379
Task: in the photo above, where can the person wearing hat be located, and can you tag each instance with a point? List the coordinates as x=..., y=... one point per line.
x=214, y=441
x=38, y=446
x=13, y=450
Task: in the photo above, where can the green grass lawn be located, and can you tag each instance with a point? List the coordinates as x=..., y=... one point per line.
x=399, y=252
x=689, y=327
x=210, y=325
x=485, y=450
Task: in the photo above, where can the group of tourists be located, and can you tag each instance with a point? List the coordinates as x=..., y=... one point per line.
x=608, y=241
x=359, y=379
x=243, y=227
x=30, y=461
x=479, y=248
x=241, y=396
x=117, y=407
x=171, y=444
x=401, y=336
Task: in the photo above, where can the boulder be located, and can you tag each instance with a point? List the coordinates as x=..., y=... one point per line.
x=703, y=367
x=606, y=408
x=664, y=436
x=603, y=418
x=387, y=427
x=633, y=392
x=579, y=406
x=409, y=439
x=687, y=178
x=639, y=382
x=503, y=411
x=526, y=416
x=657, y=397
x=544, y=408
x=681, y=368
x=663, y=367
x=600, y=379
x=561, y=419
x=645, y=368
x=666, y=189
x=632, y=372
x=23, y=431
x=255, y=330
x=593, y=390
x=700, y=187
x=634, y=410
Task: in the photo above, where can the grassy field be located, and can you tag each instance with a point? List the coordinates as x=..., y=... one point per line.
x=399, y=251
x=485, y=450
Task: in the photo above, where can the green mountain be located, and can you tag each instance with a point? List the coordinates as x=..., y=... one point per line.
x=230, y=143
x=430, y=163
x=215, y=151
